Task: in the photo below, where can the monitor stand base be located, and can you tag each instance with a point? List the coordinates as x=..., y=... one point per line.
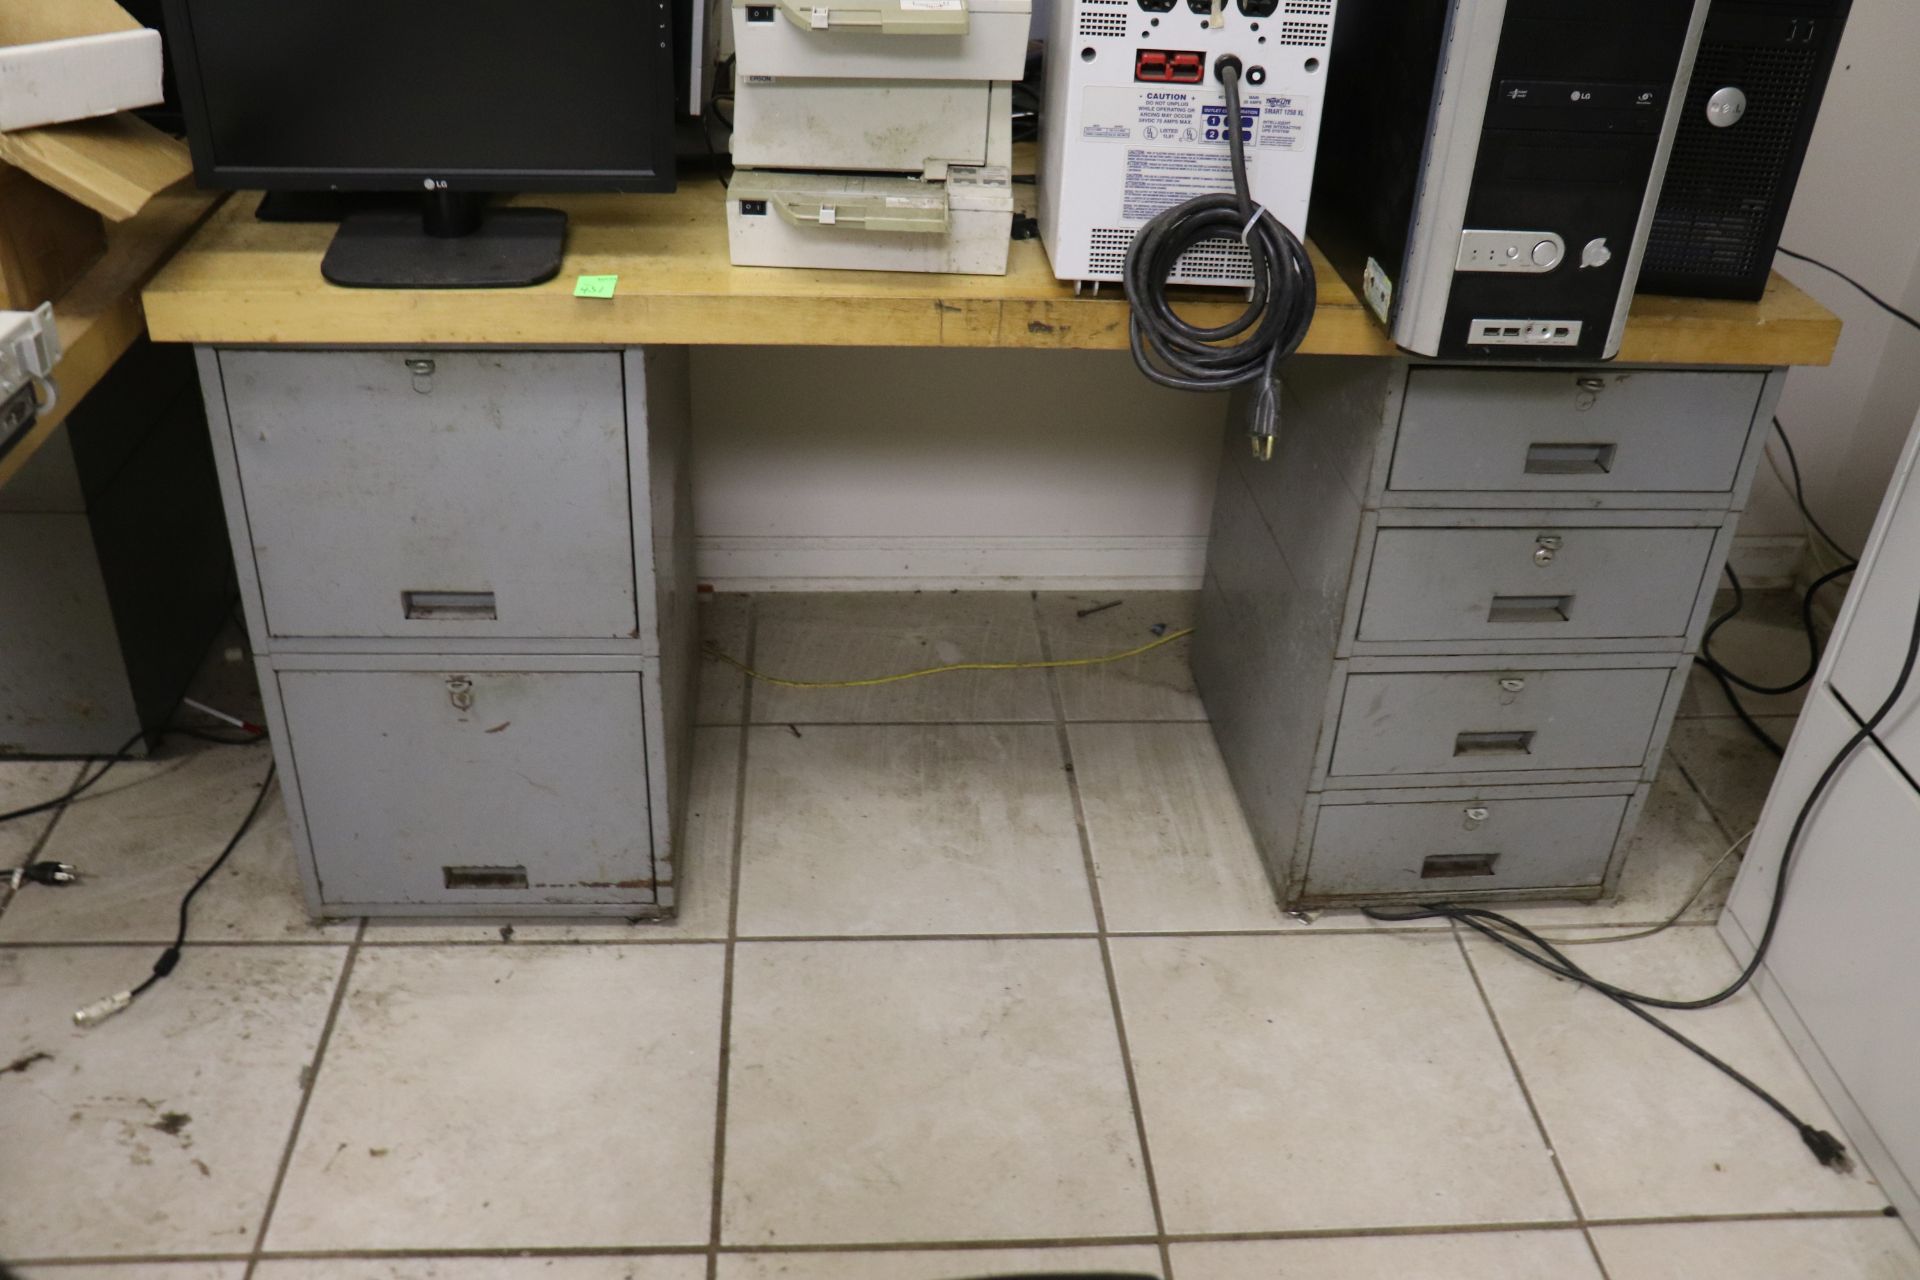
x=509, y=249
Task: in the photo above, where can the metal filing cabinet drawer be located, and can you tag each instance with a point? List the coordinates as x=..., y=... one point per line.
x=1534, y=582
x=1472, y=845
x=471, y=495
x=470, y=786
x=1585, y=431
x=1423, y=722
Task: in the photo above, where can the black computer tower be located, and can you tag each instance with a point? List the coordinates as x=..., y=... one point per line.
x=1488, y=170
x=1749, y=112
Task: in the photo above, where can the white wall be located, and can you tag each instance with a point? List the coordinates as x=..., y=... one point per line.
x=839, y=468
x=822, y=468
x=1857, y=207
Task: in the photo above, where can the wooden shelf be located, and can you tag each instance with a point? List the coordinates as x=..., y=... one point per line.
x=100, y=317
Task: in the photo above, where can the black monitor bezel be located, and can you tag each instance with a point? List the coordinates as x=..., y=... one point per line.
x=210, y=173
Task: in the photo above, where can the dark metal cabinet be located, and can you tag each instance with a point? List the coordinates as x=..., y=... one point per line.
x=114, y=570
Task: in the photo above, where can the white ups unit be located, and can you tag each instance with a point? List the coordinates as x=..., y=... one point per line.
x=1134, y=121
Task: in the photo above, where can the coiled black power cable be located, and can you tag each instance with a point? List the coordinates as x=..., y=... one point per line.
x=1249, y=348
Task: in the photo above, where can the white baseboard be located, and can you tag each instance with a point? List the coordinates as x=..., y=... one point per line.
x=1075, y=563
x=1088, y=563
x=1767, y=561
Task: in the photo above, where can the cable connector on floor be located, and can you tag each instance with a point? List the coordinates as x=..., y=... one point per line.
x=47, y=873
x=100, y=1010
x=1827, y=1149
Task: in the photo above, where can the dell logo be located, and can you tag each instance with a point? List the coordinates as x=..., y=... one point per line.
x=1726, y=107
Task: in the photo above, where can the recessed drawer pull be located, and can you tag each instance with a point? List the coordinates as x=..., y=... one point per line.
x=1530, y=609
x=450, y=606
x=1570, y=459
x=1453, y=866
x=484, y=877
x=1512, y=742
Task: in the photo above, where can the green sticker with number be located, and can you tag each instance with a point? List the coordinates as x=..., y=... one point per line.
x=594, y=286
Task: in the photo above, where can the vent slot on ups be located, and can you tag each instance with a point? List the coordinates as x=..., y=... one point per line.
x=1311, y=35
x=1219, y=261
x=1102, y=25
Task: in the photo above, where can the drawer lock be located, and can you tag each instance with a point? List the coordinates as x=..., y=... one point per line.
x=1546, y=547
x=422, y=370
x=1510, y=686
x=1476, y=816
x=460, y=692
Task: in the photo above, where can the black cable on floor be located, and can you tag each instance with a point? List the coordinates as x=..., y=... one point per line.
x=1503, y=929
x=1826, y=1148
x=67, y=797
x=121, y=754
x=105, y=1008
x=1807, y=624
x=1726, y=677
x=1800, y=494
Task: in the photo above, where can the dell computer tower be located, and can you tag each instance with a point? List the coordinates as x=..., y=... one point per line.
x=1488, y=168
x=1744, y=127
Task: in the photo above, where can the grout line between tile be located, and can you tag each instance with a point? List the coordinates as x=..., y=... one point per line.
x=952, y=1246
x=378, y=943
x=1686, y=1219
x=955, y=724
x=732, y=940
x=372, y=943
x=1698, y=794
x=1065, y=739
x=30, y=944
x=1520, y=1079
x=306, y=1099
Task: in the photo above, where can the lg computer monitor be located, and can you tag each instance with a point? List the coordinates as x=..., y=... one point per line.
x=454, y=100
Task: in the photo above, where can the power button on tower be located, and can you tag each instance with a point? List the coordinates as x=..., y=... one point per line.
x=1546, y=255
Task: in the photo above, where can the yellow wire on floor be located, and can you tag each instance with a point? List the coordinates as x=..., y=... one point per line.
x=761, y=676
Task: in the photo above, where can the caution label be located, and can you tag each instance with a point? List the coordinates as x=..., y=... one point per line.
x=1167, y=118
x=1159, y=180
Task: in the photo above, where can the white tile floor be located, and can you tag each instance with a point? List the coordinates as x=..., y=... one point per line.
x=975, y=976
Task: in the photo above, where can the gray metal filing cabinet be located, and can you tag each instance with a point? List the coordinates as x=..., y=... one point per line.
x=468, y=581
x=1445, y=631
